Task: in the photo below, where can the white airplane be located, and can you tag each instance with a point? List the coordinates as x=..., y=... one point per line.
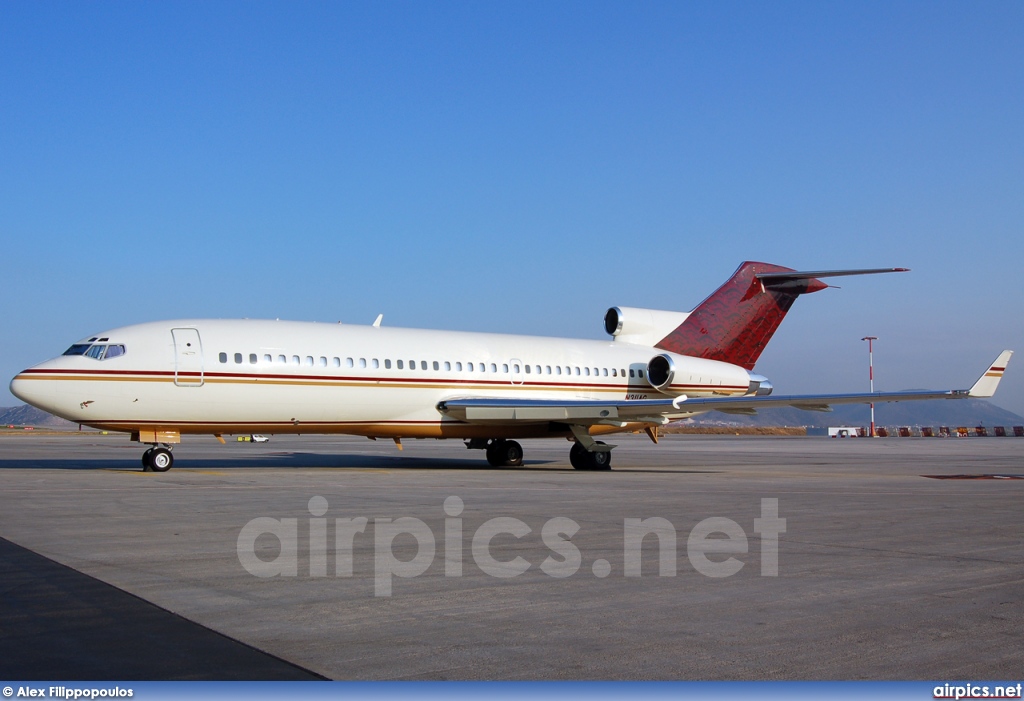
x=161, y=380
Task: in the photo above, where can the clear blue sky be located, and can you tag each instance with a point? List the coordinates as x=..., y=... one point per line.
x=519, y=167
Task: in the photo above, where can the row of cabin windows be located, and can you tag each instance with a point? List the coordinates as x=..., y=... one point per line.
x=322, y=361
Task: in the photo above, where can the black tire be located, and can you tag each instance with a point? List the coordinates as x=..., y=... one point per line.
x=502, y=453
x=160, y=460
x=578, y=457
x=582, y=459
x=494, y=458
x=146, y=467
x=601, y=460
x=512, y=453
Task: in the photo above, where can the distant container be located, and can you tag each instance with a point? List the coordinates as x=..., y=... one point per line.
x=944, y=431
x=962, y=432
x=844, y=432
x=927, y=432
x=882, y=432
x=1000, y=431
x=980, y=431
x=1018, y=431
x=904, y=431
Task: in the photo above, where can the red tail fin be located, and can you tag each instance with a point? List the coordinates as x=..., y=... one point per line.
x=736, y=322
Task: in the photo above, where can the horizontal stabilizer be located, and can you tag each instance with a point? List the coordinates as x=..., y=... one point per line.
x=796, y=280
x=802, y=275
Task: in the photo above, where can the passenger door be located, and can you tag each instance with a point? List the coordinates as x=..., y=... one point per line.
x=188, y=358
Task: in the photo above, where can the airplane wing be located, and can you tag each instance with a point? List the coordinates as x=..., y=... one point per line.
x=660, y=411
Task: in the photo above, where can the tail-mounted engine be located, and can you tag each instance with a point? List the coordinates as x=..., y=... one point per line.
x=661, y=370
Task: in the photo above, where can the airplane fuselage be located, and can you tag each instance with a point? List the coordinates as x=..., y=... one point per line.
x=253, y=376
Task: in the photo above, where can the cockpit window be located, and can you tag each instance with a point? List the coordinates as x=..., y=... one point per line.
x=99, y=351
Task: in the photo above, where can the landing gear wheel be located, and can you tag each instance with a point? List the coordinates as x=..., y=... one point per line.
x=160, y=460
x=601, y=459
x=582, y=459
x=578, y=457
x=493, y=457
x=145, y=460
x=502, y=453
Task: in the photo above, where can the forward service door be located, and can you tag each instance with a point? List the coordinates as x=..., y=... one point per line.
x=188, y=358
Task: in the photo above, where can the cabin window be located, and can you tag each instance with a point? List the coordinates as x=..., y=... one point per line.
x=401, y=365
x=494, y=367
x=336, y=362
x=349, y=363
x=483, y=367
x=253, y=358
x=295, y=360
x=558, y=369
x=639, y=373
x=527, y=369
x=622, y=373
x=458, y=366
x=423, y=365
x=469, y=367
x=323, y=361
x=631, y=372
x=577, y=368
x=537, y=369
x=547, y=369
x=615, y=373
x=282, y=359
x=223, y=357
x=586, y=371
x=309, y=361
x=515, y=368
x=362, y=362
x=437, y=365
x=412, y=364
x=604, y=372
x=504, y=368
x=268, y=358
x=238, y=358
x=447, y=365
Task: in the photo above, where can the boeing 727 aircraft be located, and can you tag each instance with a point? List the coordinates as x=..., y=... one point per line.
x=161, y=380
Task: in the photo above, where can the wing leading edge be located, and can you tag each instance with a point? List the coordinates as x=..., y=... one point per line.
x=661, y=411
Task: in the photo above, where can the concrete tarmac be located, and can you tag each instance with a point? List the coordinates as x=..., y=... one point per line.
x=883, y=572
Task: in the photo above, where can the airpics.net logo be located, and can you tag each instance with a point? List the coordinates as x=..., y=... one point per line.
x=711, y=545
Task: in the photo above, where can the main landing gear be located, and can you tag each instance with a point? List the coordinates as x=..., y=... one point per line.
x=506, y=453
x=583, y=459
x=157, y=459
x=502, y=453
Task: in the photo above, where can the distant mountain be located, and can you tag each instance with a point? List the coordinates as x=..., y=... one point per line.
x=954, y=412
x=26, y=415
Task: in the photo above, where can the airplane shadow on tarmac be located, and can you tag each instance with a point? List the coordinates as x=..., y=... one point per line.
x=303, y=460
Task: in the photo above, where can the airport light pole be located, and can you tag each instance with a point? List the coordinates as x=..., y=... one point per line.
x=871, y=376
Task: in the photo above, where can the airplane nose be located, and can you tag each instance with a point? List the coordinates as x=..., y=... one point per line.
x=38, y=393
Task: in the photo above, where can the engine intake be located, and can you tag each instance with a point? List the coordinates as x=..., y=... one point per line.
x=661, y=370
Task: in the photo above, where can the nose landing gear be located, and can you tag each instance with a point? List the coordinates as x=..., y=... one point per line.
x=157, y=459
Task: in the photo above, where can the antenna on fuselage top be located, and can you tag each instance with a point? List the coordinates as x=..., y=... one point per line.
x=376, y=323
